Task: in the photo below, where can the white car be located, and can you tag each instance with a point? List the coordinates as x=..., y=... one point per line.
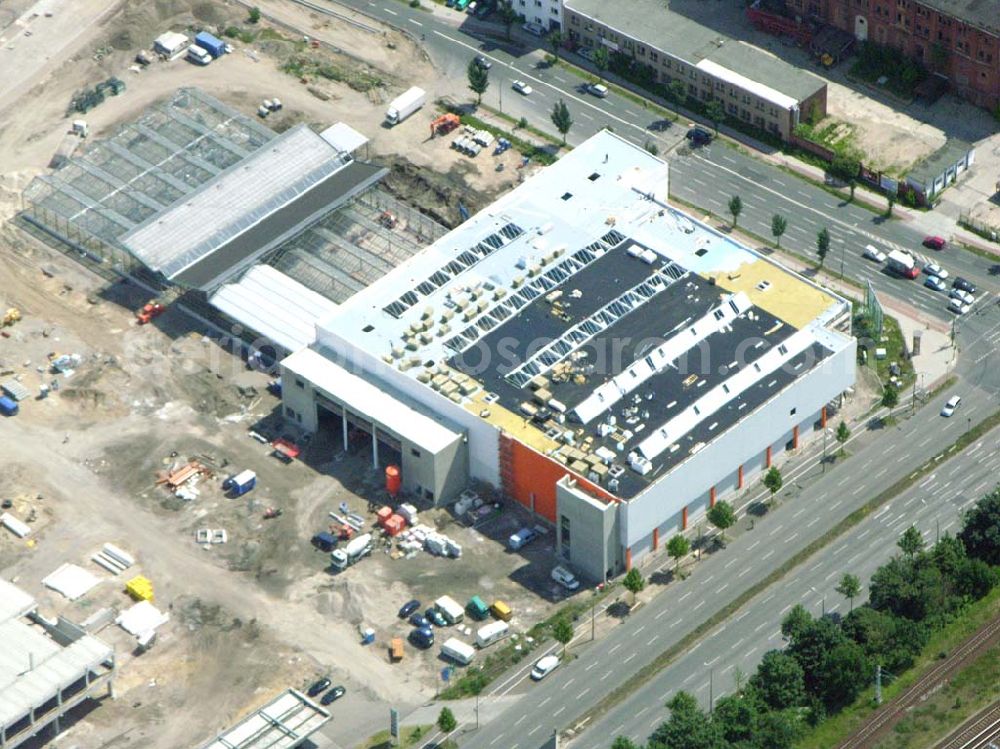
x=565, y=578
x=956, y=306
x=521, y=87
x=963, y=296
x=933, y=269
x=598, y=89
x=545, y=666
x=535, y=29
x=873, y=253
x=951, y=405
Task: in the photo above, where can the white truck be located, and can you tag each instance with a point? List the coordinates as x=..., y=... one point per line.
x=903, y=264
x=405, y=104
x=458, y=651
x=199, y=55
x=357, y=549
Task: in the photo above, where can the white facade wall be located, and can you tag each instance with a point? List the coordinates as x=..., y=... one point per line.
x=689, y=482
x=483, y=437
x=544, y=12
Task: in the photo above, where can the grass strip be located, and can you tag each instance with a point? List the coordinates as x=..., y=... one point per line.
x=647, y=672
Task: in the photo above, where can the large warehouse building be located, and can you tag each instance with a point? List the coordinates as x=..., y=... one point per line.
x=605, y=360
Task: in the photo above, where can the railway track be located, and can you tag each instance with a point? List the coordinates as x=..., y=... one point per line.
x=979, y=732
x=893, y=711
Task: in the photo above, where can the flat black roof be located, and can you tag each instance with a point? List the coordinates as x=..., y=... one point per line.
x=246, y=248
x=633, y=336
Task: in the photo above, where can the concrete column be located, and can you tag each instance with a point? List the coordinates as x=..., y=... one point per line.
x=628, y=558
x=343, y=423
x=684, y=518
x=768, y=456
x=795, y=437
x=739, y=477
x=374, y=446
x=656, y=538
x=711, y=497
x=822, y=417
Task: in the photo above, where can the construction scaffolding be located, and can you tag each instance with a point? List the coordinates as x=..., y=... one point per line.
x=356, y=245
x=115, y=184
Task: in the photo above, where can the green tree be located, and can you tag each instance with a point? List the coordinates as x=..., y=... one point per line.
x=779, y=681
x=778, y=225
x=716, y=113
x=846, y=167
x=887, y=639
x=678, y=548
x=890, y=397
x=479, y=80
x=843, y=674
x=796, y=623
x=254, y=15
x=849, y=587
x=562, y=631
x=601, y=60
x=446, y=722
x=688, y=727
x=911, y=542
x=779, y=729
x=735, y=208
x=890, y=203
x=507, y=15
x=773, y=481
x=722, y=516
x=911, y=587
x=561, y=119
x=843, y=434
x=634, y=582
x=623, y=742
x=737, y=716
x=677, y=91
x=822, y=245
x=555, y=40
x=980, y=532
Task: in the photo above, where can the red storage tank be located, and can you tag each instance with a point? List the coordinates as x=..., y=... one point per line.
x=393, y=480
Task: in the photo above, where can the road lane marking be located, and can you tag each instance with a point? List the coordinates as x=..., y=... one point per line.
x=776, y=529
x=655, y=638
x=629, y=658
x=415, y=22
x=700, y=604
x=684, y=596
x=390, y=12
x=614, y=648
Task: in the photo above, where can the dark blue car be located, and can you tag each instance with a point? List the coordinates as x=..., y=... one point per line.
x=422, y=638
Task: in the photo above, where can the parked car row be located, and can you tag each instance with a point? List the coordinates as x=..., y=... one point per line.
x=960, y=294
x=321, y=686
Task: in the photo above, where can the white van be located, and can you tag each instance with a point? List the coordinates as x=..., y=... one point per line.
x=458, y=651
x=450, y=610
x=491, y=632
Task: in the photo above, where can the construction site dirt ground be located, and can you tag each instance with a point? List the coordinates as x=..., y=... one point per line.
x=261, y=612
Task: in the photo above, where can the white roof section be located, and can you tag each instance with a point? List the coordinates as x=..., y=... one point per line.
x=370, y=401
x=282, y=723
x=21, y=644
x=343, y=137
x=71, y=581
x=170, y=42
x=14, y=602
x=748, y=84
x=141, y=618
x=274, y=305
x=239, y=198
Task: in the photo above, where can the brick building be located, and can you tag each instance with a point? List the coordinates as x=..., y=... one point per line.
x=959, y=39
x=753, y=85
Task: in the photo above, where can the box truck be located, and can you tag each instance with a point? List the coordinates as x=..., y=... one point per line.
x=211, y=44
x=405, y=104
x=903, y=264
x=490, y=633
x=458, y=651
x=8, y=406
x=357, y=549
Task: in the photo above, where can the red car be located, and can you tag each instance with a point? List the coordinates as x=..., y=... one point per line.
x=935, y=243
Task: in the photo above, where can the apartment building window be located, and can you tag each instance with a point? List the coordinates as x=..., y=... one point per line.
x=538, y=3
x=692, y=89
x=746, y=98
x=553, y=11
x=745, y=115
x=758, y=121
x=654, y=57
x=575, y=20
x=732, y=109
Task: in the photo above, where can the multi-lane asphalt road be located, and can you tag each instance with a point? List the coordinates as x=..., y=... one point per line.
x=707, y=177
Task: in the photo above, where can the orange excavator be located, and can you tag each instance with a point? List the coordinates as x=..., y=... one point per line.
x=445, y=124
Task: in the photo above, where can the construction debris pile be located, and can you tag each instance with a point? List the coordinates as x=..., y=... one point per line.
x=183, y=479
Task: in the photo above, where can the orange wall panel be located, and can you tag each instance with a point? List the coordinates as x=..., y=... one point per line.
x=534, y=473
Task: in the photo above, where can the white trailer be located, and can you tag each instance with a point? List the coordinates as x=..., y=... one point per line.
x=490, y=633
x=458, y=651
x=405, y=104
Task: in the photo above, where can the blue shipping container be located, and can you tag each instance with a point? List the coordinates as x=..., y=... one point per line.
x=8, y=406
x=211, y=44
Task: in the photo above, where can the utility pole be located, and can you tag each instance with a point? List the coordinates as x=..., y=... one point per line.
x=477, y=711
x=593, y=606
x=711, y=689
x=878, y=684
